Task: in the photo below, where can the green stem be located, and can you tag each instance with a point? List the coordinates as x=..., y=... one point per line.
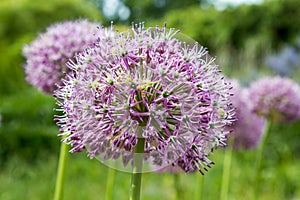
x=199, y=186
x=259, y=158
x=226, y=173
x=60, y=177
x=177, y=187
x=110, y=184
x=136, y=177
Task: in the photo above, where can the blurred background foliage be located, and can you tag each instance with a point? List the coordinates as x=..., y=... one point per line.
x=21, y=21
x=241, y=38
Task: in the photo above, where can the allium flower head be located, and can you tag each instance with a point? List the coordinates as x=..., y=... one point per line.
x=146, y=86
x=285, y=61
x=46, y=55
x=276, y=98
x=248, y=128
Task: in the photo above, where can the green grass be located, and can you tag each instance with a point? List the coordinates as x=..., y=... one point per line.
x=86, y=179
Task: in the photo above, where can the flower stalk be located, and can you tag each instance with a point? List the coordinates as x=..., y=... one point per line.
x=110, y=183
x=199, y=186
x=60, y=178
x=226, y=173
x=177, y=185
x=260, y=154
x=136, y=176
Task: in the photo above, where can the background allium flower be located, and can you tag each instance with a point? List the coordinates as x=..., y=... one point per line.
x=146, y=85
x=46, y=55
x=248, y=128
x=276, y=98
x=285, y=61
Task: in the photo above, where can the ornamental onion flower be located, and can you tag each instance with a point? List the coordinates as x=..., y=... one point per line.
x=276, y=98
x=248, y=128
x=145, y=87
x=47, y=54
x=284, y=62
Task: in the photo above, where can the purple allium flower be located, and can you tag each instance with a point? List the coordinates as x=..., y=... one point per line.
x=145, y=85
x=276, y=98
x=248, y=128
x=284, y=62
x=46, y=55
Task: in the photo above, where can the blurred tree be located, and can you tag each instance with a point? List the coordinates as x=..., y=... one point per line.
x=126, y=11
x=277, y=20
x=242, y=35
x=284, y=20
x=202, y=27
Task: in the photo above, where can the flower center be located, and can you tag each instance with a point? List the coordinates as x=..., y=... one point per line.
x=141, y=99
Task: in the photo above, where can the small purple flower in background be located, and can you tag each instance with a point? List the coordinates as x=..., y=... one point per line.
x=285, y=61
x=276, y=98
x=248, y=128
x=145, y=85
x=46, y=56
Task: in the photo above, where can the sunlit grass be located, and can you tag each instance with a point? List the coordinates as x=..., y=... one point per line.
x=86, y=179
